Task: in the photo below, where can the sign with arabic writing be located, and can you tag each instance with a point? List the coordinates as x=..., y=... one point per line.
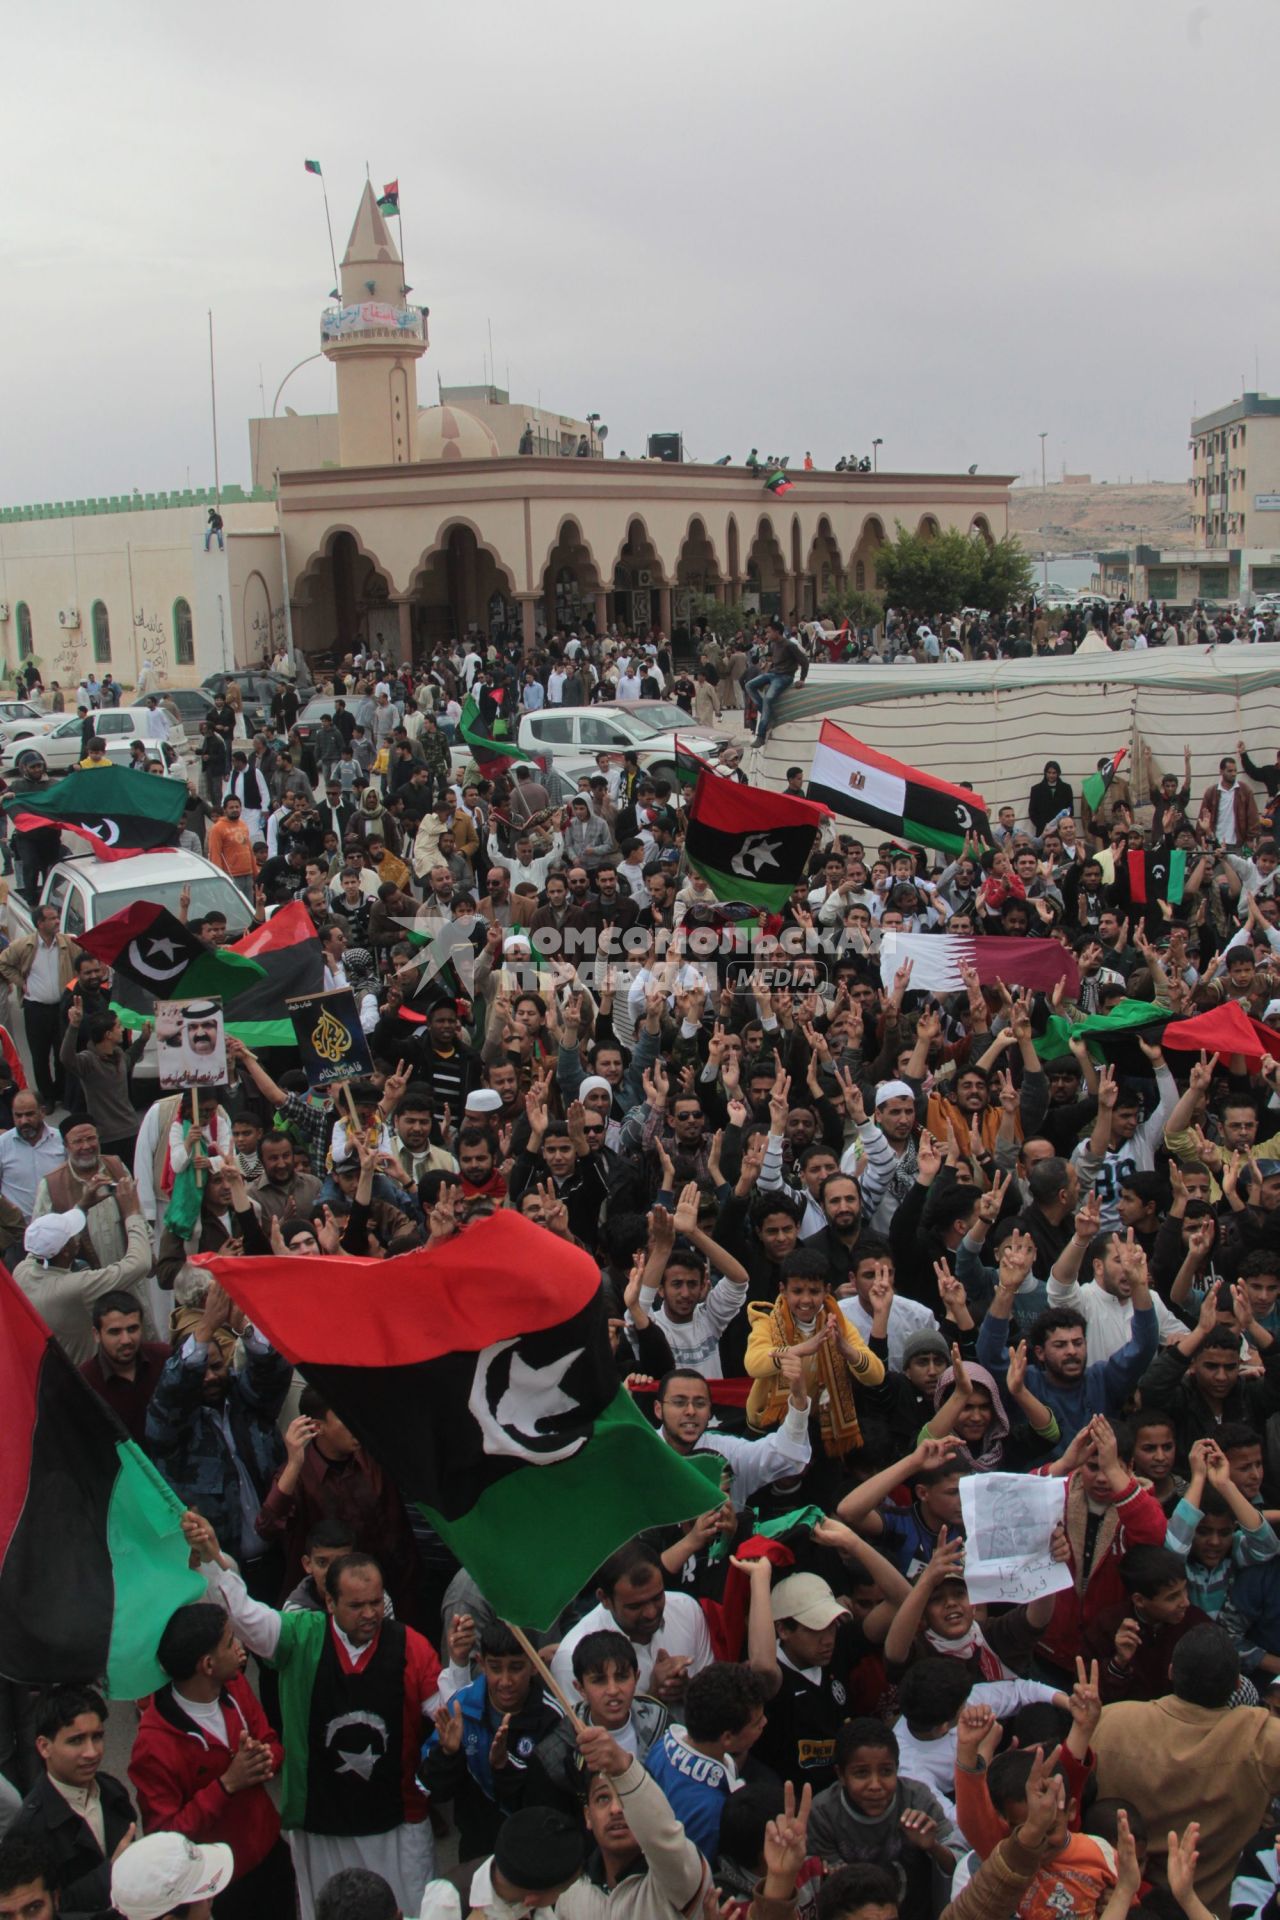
x=370, y=316
x=331, y=1041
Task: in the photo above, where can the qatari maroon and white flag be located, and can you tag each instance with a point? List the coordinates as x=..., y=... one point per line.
x=938, y=961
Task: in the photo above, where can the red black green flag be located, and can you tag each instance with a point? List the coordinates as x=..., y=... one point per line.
x=492, y=748
x=150, y=946
x=389, y=199
x=1094, y=785
x=778, y=482
x=689, y=765
x=116, y=810
x=751, y=846
x=92, y=1558
x=480, y=1375
x=287, y=952
x=1157, y=873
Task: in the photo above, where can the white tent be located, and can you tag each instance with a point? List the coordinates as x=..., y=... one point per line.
x=994, y=723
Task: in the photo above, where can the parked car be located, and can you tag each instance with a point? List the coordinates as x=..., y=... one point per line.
x=86, y=891
x=257, y=690
x=194, y=704
x=359, y=706
x=19, y=720
x=571, y=737
x=117, y=728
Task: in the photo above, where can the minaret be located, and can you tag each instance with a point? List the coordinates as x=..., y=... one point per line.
x=375, y=341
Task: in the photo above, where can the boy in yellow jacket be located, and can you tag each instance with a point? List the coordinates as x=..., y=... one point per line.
x=804, y=1336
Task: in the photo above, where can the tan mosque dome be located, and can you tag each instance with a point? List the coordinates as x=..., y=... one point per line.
x=447, y=433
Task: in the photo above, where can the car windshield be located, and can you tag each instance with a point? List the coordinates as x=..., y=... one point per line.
x=209, y=893
x=661, y=719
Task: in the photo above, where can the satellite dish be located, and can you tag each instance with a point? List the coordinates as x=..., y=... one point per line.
x=291, y=413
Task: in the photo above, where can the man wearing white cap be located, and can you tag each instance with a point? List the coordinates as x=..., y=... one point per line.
x=888, y=1141
x=63, y=1297
x=166, y=1874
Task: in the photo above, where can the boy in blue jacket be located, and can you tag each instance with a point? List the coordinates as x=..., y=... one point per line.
x=696, y=1764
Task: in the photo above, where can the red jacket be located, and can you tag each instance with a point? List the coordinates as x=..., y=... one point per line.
x=1136, y=1519
x=176, y=1766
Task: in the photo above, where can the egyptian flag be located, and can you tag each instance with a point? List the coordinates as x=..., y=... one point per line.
x=1157, y=873
x=861, y=784
x=151, y=947
x=778, y=482
x=751, y=846
x=117, y=811
x=288, y=953
x=92, y=1558
x=939, y=961
x=1094, y=786
x=389, y=201
x=492, y=748
x=479, y=1374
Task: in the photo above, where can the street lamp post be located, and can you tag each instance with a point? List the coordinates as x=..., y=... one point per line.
x=875, y=455
x=1044, y=508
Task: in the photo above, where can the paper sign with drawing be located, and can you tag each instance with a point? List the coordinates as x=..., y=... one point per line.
x=1009, y=1520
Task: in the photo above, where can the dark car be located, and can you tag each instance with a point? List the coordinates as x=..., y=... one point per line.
x=257, y=691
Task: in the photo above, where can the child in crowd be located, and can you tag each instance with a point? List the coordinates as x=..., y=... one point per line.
x=1135, y=1641
x=970, y=1405
x=805, y=1322
x=1218, y=1531
x=871, y=1814
x=908, y=1536
x=606, y=1674
x=932, y=1695
x=937, y=1617
x=1155, y=1449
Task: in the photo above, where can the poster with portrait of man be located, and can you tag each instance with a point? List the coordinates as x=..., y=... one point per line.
x=191, y=1044
x=331, y=1042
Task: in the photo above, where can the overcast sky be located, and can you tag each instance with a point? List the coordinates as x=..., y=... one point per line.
x=950, y=223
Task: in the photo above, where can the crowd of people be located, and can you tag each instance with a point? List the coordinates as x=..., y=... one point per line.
x=858, y=1241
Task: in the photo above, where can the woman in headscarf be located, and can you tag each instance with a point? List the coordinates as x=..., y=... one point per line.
x=969, y=1404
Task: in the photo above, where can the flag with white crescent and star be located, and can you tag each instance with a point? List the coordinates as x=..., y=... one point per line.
x=150, y=946
x=752, y=847
x=479, y=1374
x=116, y=810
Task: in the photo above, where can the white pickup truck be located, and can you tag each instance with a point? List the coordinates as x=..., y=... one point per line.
x=571, y=737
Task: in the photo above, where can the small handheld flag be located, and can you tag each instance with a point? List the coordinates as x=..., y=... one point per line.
x=1094, y=785
x=312, y=166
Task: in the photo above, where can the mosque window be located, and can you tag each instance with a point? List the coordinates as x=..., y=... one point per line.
x=101, y=632
x=184, y=639
x=24, y=631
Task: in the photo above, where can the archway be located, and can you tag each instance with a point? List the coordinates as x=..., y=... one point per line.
x=638, y=581
x=824, y=564
x=982, y=527
x=928, y=528
x=344, y=600
x=570, y=581
x=453, y=591
x=866, y=578
x=697, y=574
x=766, y=571
x=255, y=641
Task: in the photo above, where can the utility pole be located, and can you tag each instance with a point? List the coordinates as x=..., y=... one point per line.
x=1044, y=506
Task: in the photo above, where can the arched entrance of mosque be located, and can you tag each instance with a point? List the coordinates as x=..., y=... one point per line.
x=343, y=600
x=638, y=582
x=766, y=571
x=697, y=575
x=460, y=588
x=572, y=591
x=824, y=566
x=865, y=577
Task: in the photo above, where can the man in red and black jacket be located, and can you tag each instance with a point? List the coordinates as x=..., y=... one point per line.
x=203, y=1755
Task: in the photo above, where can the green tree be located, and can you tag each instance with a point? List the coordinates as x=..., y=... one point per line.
x=860, y=609
x=952, y=570
x=1006, y=575
x=722, y=617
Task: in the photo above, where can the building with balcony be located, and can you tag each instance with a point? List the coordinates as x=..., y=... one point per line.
x=402, y=525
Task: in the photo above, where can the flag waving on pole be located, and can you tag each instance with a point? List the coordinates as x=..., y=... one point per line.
x=389, y=199
x=479, y=1374
x=939, y=962
x=312, y=166
x=751, y=846
x=116, y=810
x=854, y=780
x=1095, y=785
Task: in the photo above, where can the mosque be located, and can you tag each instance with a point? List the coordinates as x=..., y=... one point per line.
x=400, y=524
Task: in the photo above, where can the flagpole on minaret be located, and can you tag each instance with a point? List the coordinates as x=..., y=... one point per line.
x=333, y=251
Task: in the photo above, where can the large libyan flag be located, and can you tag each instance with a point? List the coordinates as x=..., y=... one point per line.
x=753, y=847
x=854, y=780
x=92, y=1558
x=290, y=964
x=116, y=810
x=480, y=1375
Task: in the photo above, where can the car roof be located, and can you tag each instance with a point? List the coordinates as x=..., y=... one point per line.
x=146, y=869
x=613, y=706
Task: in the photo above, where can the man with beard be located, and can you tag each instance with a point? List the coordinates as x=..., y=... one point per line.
x=838, y=1241
x=1059, y=1373
x=495, y=907
x=607, y=913
x=282, y=1192
x=64, y=1298
x=90, y=1180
